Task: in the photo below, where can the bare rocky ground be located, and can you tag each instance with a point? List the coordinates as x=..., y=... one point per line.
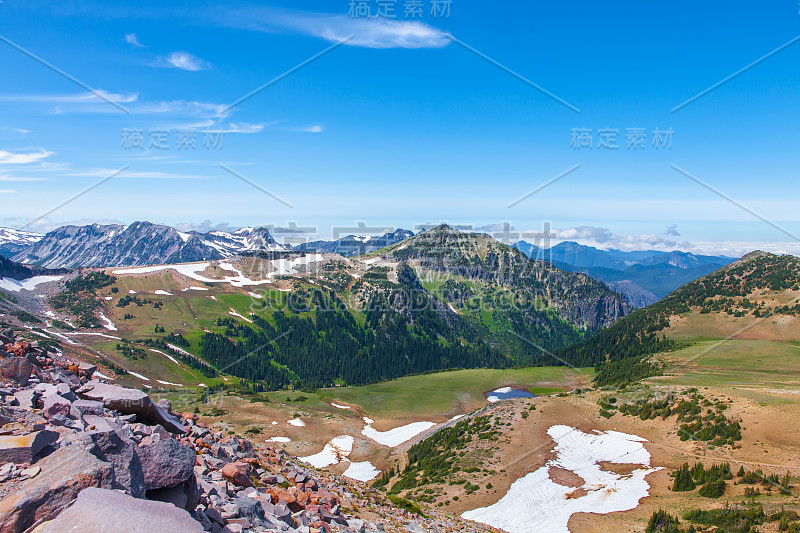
x=77, y=454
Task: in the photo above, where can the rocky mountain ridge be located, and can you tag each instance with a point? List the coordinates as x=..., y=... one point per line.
x=141, y=243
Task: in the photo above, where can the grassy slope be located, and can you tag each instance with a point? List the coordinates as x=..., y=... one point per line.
x=452, y=392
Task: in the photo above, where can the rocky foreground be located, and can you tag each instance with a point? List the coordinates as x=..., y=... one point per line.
x=81, y=455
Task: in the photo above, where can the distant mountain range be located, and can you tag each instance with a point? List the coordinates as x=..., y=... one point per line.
x=141, y=243
x=353, y=245
x=13, y=241
x=644, y=277
x=145, y=243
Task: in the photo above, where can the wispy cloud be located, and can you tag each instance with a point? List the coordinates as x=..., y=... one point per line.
x=13, y=133
x=23, y=158
x=80, y=98
x=6, y=177
x=129, y=174
x=182, y=61
x=365, y=32
x=132, y=40
x=7, y=191
x=316, y=128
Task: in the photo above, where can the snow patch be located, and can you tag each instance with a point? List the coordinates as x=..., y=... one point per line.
x=107, y=323
x=166, y=355
x=296, y=422
x=95, y=335
x=336, y=451
x=364, y=471
x=336, y=405
x=163, y=293
x=281, y=267
x=134, y=374
x=535, y=503
x=169, y=383
x=13, y=285
x=279, y=439
x=101, y=375
x=397, y=436
x=234, y=313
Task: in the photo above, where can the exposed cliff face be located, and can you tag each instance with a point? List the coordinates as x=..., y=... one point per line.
x=141, y=243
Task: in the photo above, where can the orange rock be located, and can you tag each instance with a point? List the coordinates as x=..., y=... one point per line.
x=237, y=473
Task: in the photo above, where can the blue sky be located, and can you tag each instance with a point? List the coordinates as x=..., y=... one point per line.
x=402, y=124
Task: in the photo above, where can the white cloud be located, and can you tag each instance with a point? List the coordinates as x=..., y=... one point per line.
x=314, y=128
x=24, y=158
x=13, y=133
x=128, y=174
x=6, y=191
x=81, y=98
x=242, y=127
x=6, y=177
x=364, y=32
x=132, y=40
x=205, y=226
x=604, y=239
x=183, y=61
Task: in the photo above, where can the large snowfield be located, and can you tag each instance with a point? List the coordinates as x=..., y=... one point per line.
x=537, y=504
x=10, y=284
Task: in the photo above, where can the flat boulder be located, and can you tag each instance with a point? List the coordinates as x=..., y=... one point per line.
x=106, y=511
x=64, y=474
x=23, y=448
x=56, y=404
x=130, y=401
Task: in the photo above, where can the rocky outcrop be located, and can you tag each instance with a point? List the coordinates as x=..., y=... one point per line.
x=23, y=448
x=129, y=402
x=102, y=511
x=64, y=473
x=191, y=479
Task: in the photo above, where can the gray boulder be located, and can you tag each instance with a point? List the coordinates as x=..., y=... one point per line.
x=106, y=443
x=64, y=473
x=130, y=401
x=88, y=407
x=165, y=463
x=106, y=511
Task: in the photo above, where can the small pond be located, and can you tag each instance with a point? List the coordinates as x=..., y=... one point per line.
x=507, y=393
